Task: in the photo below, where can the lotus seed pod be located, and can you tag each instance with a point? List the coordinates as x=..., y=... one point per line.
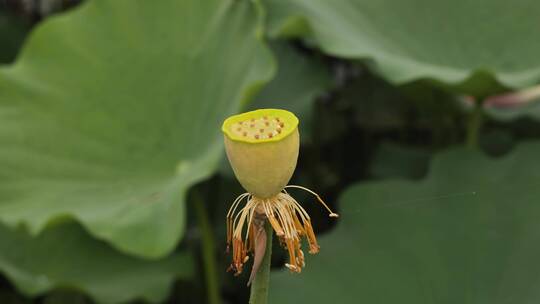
x=262, y=148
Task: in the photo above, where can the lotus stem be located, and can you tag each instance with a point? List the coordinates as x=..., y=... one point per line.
x=261, y=281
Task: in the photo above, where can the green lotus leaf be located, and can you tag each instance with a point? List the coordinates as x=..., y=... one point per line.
x=113, y=110
x=452, y=41
x=468, y=233
x=391, y=160
x=65, y=256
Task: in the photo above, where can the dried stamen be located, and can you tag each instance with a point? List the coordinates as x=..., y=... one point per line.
x=332, y=214
x=286, y=216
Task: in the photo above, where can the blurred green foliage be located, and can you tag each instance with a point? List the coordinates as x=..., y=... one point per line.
x=110, y=117
x=467, y=233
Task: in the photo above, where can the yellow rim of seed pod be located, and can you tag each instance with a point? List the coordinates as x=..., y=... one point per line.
x=260, y=126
